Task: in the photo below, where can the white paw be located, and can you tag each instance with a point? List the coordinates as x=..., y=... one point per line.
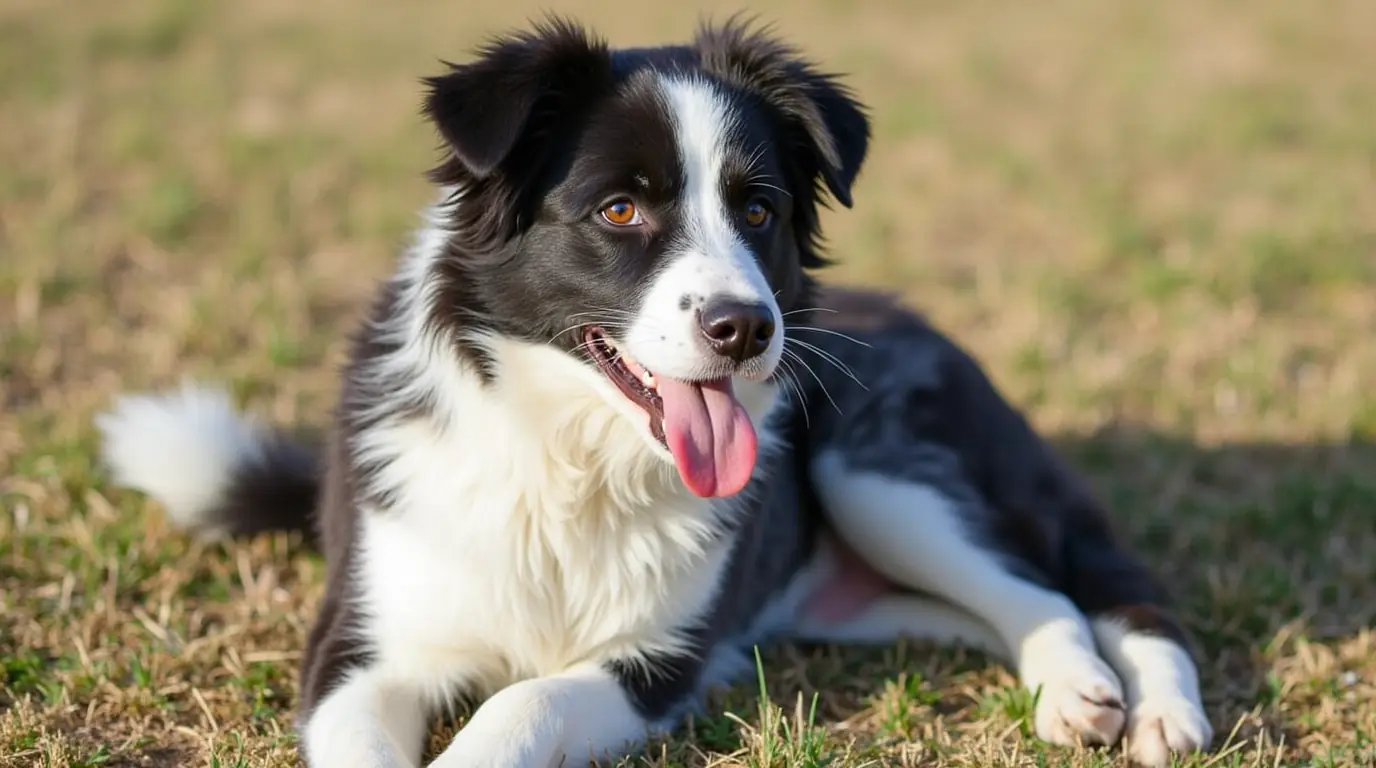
x=1163, y=726
x=1081, y=702
x=519, y=726
x=483, y=750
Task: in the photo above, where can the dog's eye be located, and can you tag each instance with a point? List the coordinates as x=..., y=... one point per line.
x=757, y=214
x=621, y=213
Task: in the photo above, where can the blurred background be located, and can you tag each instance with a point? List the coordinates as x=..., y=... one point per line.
x=1155, y=224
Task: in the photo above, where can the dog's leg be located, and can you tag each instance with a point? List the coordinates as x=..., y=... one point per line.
x=368, y=721
x=1166, y=715
x=1145, y=645
x=917, y=537
x=939, y=483
x=915, y=617
x=844, y=579
x=568, y=719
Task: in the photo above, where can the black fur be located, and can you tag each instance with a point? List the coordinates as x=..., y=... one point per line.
x=539, y=130
x=773, y=541
x=930, y=414
x=278, y=491
x=543, y=126
x=819, y=119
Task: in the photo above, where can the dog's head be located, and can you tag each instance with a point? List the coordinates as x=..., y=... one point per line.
x=653, y=212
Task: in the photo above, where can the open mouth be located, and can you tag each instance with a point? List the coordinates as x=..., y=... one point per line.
x=635, y=381
x=701, y=422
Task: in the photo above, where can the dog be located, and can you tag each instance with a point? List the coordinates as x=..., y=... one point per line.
x=603, y=432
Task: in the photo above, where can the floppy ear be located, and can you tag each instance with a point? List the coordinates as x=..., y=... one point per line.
x=836, y=126
x=510, y=93
x=826, y=126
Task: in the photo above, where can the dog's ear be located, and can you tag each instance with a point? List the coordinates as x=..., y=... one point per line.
x=510, y=93
x=825, y=125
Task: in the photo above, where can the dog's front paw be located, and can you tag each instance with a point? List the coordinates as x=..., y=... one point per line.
x=1080, y=702
x=1163, y=726
x=467, y=754
x=518, y=727
x=481, y=749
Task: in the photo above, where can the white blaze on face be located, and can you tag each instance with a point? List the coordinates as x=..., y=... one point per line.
x=707, y=429
x=709, y=260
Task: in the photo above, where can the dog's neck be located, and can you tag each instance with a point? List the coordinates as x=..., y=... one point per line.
x=549, y=425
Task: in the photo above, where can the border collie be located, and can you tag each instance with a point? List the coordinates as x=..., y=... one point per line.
x=602, y=433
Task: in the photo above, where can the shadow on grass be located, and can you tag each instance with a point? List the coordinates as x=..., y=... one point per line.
x=1268, y=549
x=1269, y=552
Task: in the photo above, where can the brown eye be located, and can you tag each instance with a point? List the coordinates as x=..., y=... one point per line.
x=621, y=213
x=756, y=214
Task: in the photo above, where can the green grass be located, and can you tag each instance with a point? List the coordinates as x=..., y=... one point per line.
x=1154, y=223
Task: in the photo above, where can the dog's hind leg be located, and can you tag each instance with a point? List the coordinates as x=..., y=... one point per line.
x=1144, y=643
x=907, y=615
x=941, y=485
x=1060, y=594
x=918, y=537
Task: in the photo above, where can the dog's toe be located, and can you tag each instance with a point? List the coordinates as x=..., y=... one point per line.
x=1083, y=704
x=1161, y=727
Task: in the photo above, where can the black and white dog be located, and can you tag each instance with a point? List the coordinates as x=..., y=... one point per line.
x=578, y=466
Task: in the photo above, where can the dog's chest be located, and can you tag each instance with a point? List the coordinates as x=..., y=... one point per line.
x=492, y=571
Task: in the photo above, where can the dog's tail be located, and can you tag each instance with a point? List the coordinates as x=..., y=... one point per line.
x=213, y=469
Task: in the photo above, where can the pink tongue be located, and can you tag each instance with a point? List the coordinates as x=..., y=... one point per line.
x=710, y=435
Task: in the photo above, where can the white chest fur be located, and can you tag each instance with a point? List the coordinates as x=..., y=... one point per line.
x=534, y=528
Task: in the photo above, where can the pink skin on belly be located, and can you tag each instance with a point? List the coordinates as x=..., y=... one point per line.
x=850, y=587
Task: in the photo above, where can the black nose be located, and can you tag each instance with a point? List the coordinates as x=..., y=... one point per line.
x=737, y=329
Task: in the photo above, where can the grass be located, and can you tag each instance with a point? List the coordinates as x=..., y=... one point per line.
x=1155, y=223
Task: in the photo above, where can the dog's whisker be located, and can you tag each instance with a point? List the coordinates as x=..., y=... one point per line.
x=830, y=332
x=596, y=310
x=556, y=336
x=755, y=157
x=759, y=182
x=790, y=379
x=603, y=310
x=602, y=314
x=835, y=361
x=581, y=347
x=818, y=379
x=808, y=309
x=602, y=323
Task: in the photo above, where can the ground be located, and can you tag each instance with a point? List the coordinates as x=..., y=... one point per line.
x=1154, y=223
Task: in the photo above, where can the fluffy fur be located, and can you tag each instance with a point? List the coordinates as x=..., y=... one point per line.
x=511, y=519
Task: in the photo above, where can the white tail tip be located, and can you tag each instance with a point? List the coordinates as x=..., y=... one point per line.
x=182, y=448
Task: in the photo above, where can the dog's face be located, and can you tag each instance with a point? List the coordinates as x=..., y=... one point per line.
x=653, y=212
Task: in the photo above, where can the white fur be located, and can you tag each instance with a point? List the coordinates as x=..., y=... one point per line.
x=576, y=715
x=370, y=721
x=913, y=535
x=1166, y=713
x=535, y=531
x=181, y=448
x=907, y=615
x=711, y=262
x=886, y=619
x=571, y=718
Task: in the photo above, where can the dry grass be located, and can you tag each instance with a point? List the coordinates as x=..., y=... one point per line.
x=1156, y=223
